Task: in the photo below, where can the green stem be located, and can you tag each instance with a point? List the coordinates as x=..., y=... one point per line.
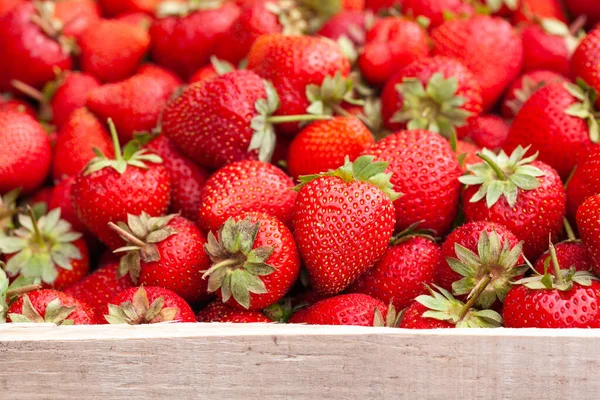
x=281, y=119
x=482, y=285
x=115, y=140
x=569, y=230
x=557, y=274
x=36, y=229
x=492, y=164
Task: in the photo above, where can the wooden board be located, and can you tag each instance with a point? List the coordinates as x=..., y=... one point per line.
x=258, y=361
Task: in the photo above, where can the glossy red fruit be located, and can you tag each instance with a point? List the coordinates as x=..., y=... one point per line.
x=61, y=198
x=434, y=9
x=585, y=60
x=570, y=254
x=585, y=182
x=112, y=8
x=345, y=309
x=377, y=5
x=391, y=44
x=72, y=93
x=7, y=5
x=466, y=154
x=548, y=47
x=413, y=318
x=7, y=103
x=219, y=312
x=351, y=24
x=488, y=46
x=487, y=131
x=425, y=171
x=534, y=10
x=25, y=154
x=76, y=15
x=51, y=306
x=203, y=74
x=524, y=87
x=588, y=222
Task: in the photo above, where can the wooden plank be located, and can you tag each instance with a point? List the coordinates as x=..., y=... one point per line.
x=226, y=361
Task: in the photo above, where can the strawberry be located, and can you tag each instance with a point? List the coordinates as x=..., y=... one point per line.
x=166, y=252
x=343, y=220
x=488, y=131
x=217, y=67
x=246, y=186
x=7, y=103
x=219, y=312
x=425, y=170
x=391, y=44
x=76, y=15
x=71, y=94
x=109, y=189
x=523, y=194
x=480, y=253
x=47, y=305
x=557, y=121
x=564, y=299
x=466, y=154
x=147, y=305
x=112, y=8
x=98, y=288
x=434, y=10
x=31, y=46
x=25, y=154
x=136, y=18
x=136, y=103
x=10, y=291
x=187, y=33
x=112, y=50
x=438, y=94
x=322, y=145
x=590, y=9
x=7, y=5
x=76, y=141
x=488, y=46
x=187, y=179
x=351, y=24
x=401, y=275
x=571, y=254
x=61, y=199
x=344, y=309
x=585, y=59
x=588, y=218
x=524, y=87
x=534, y=10
x=255, y=261
x=297, y=66
x=46, y=248
x=585, y=181
x=380, y=5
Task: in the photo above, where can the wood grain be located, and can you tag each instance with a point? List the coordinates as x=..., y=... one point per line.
x=227, y=361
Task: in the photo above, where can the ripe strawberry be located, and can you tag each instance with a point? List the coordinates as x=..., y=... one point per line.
x=217, y=67
x=344, y=309
x=76, y=141
x=147, y=305
x=136, y=103
x=98, y=288
x=167, y=252
x=535, y=10
x=524, y=87
x=25, y=154
x=488, y=46
x=10, y=291
x=112, y=50
x=51, y=306
x=187, y=34
x=323, y=145
x=31, y=47
x=47, y=249
x=558, y=122
x=294, y=64
x=434, y=10
x=590, y=9
x=524, y=195
x=76, y=15
x=585, y=181
x=391, y=44
x=71, y=94
x=588, y=222
x=112, y=8
x=109, y=189
x=425, y=171
x=343, y=221
x=586, y=58
x=571, y=254
x=187, y=179
x=219, y=312
x=351, y=24
x=246, y=186
x=489, y=131
x=7, y=103
x=136, y=18
x=61, y=198
x=401, y=275
x=438, y=94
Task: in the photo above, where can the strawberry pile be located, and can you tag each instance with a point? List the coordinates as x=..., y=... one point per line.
x=416, y=163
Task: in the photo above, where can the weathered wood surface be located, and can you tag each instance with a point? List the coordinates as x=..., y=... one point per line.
x=230, y=362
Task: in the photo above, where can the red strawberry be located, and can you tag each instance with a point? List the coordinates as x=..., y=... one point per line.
x=136, y=18
x=61, y=198
x=7, y=103
x=76, y=15
x=216, y=67
x=343, y=221
x=585, y=182
x=147, y=305
x=136, y=103
x=351, y=24
x=112, y=8
x=585, y=60
x=187, y=34
x=109, y=189
x=112, y=50
x=7, y=5
x=533, y=10
x=246, y=186
x=71, y=94
x=414, y=318
x=402, y=273
x=76, y=141
x=52, y=306
x=323, y=145
x=524, y=195
x=434, y=10
x=187, y=179
x=571, y=254
x=255, y=261
x=590, y=9
x=167, y=252
x=438, y=94
x=345, y=309
x=47, y=249
x=391, y=44
x=488, y=131
x=488, y=46
x=25, y=154
x=219, y=312
x=588, y=222
x=98, y=288
x=524, y=87
x=425, y=171
x=558, y=122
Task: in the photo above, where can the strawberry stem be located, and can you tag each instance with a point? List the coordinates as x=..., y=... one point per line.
x=557, y=274
x=569, y=230
x=493, y=165
x=36, y=229
x=115, y=140
x=23, y=289
x=482, y=285
x=577, y=25
x=128, y=236
x=281, y=119
x=28, y=90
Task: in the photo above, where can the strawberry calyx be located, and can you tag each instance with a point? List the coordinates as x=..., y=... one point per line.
x=10, y=291
x=584, y=107
x=501, y=175
x=39, y=247
x=140, y=311
x=290, y=15
x=528, y=88
x=571, y=35
x=494, y=262
x=221, y=67
x=8, y=209
x=141, y=233
x=55, y=313
x=411, y=232
x=237, y=266
x=282, y=310
x=392, y=318
x=363, y=169
x=132, y=155
x=52, y=27
x=327, y=98
x=183, y=9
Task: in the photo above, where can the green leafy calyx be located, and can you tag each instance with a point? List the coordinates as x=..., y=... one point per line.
x=392, y=318
x=140, y=311
x=55, y=313
x=326, y=99
x=584, y=107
